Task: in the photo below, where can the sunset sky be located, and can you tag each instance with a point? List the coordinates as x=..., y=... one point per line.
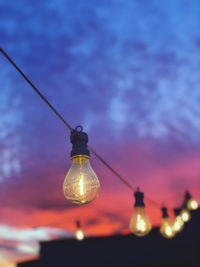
x=129, y=73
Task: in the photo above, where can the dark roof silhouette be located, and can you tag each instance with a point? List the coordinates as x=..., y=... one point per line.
x=126, y=250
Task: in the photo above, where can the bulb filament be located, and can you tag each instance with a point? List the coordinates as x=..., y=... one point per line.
x=79, y=234
x=141, y=225
x=185, y=216
x=194, y=205
x=168, y=231
x=81, y=183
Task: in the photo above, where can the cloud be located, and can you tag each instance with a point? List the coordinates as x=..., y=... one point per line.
x=22, y=243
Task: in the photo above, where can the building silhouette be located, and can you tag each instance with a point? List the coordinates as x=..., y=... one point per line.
x=125, y=250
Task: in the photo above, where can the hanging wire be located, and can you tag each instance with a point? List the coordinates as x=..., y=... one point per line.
x=35, y=89
x=71, y=129
x=112, y=170
x=64, y=121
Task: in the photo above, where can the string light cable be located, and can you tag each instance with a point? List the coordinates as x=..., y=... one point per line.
x=79, y=136
x=64, y=121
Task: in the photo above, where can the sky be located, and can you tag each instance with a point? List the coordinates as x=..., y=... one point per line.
x=128, y=72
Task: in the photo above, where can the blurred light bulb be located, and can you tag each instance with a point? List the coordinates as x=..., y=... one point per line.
x=185, y=215
x=79, y=233
x=192, y=204
x=166, y=229
x=81, y=184
x=140, y=224
x=178, y=223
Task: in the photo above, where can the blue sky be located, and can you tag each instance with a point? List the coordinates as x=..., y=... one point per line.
x=128, y=71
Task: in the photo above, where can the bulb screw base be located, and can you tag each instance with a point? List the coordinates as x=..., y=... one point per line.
x=184, y=205
x=164, y=212
x=187, y=195
x=139, y=196
x=78, y=224
x=177, y=211
x=79, y=140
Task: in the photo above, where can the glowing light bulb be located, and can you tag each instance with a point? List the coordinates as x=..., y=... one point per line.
x=178, y=222
x=190, y=202
x=140, y=224
x=81, y=184
x=79, y=233
x=185, y=215
x=166, y=229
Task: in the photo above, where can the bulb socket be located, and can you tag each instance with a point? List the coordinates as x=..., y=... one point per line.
x=79, y=140
x=164, y=212
x=184, y=205
x=78, y=224
x=139, y=199
x=187, y=195
x=177, y=211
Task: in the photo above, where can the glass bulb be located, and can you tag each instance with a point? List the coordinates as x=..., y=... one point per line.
x=79, y=234
x=192, y=204
x=81, y=184
x=140, y=224
x=178, y=224
x=167, y=229
x=185, y=215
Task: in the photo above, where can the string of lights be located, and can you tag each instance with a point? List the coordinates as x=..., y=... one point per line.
x=140, y=224
x=64, y=121
x=69, y=127
x=81, y=184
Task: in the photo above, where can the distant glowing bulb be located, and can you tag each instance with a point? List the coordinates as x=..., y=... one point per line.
x=178, y=223
x=79, y=235
x=167, y=229
x=140, y=224
x=185, y=215
x=192, y=204
x=81, y=184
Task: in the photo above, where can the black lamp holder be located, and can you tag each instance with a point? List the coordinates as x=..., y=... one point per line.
x=79, y=140
x=187, y=195
x=139, y=196
x=177, y=211
x=164, y=212
x=78, y=224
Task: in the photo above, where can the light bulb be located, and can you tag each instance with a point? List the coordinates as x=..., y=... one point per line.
x=79, y=234
x=192, y=204
x=178, y=224
x=178, y=221
x=81, y=184
x=166, y=229
x=140, y=224
x=185, y=215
